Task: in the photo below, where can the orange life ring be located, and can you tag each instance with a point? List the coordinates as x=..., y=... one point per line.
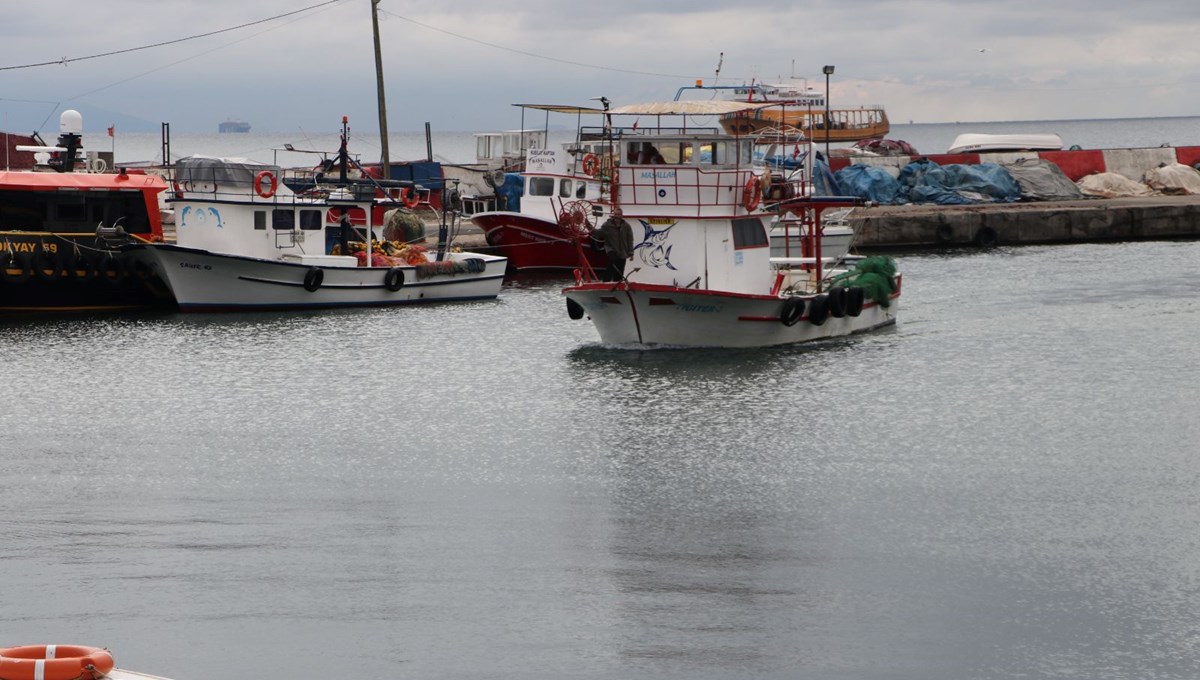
x=272, y=183
x=752, y=194
x=410, y=197
x=591, y=165
x=54, y=662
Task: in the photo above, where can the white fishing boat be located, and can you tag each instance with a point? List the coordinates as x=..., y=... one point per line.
x=701, y=272
x=244, y=240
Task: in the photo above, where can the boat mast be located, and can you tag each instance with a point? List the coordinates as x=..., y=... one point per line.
x=385, y=164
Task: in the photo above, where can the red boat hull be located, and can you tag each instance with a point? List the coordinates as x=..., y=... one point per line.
x=532, y=243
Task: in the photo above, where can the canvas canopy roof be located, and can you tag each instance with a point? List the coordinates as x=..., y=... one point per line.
x=688, y=108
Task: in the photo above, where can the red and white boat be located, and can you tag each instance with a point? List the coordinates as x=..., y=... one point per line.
x=560, y=204
x=701, y=272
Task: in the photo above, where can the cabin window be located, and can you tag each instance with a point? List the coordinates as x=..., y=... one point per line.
x=283, y=220
x=581, y=190
x=260, y=219
x=745, y=152
x=714, y=153
x=748, y=232
x=541, y=186
x=564, y=189
x=311, y=219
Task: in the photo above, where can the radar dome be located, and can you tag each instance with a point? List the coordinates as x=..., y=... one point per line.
x=70, y=122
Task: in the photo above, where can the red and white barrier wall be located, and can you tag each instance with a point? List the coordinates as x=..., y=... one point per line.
x=1132, y=163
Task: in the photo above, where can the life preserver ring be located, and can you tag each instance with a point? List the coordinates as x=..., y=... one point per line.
x=313, y=279
x=54, y=662
x=793, y=309
x=410, y=197
x=751, y=194
x=272, y=183
x=591, y=165
x=393, y=280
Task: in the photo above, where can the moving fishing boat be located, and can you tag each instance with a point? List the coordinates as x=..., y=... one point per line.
x=244, y=241
x=700, y=271
x=62, y=227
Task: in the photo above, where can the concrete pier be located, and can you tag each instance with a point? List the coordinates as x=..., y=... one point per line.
x=1107, y=219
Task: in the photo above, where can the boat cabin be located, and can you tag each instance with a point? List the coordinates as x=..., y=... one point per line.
x=239, y=207
x=76, y=203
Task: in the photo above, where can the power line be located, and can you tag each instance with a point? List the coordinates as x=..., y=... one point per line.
x=66, y=60
x=533, y=54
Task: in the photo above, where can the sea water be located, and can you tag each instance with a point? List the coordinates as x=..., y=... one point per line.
x=1003, y=485
x=459, y=146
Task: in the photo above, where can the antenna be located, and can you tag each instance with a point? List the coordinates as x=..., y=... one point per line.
x=720, y=61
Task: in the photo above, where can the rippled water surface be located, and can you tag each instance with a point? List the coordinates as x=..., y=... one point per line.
x=1003, y=485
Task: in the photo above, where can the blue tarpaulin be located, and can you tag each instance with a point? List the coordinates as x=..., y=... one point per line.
x=927, y=182
x=870, y=184
x=923, y=181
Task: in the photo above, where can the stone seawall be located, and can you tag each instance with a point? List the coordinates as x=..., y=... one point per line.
x=1114, y=219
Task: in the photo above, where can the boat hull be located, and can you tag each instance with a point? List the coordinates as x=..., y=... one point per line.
x=532, y=243
x=202, y=281
x=632, y=314
x=58, y=273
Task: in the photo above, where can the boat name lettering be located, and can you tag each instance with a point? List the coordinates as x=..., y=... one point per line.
x=540, y=158
x=194, y=265
x=657, y=174
x=705, y=309
x=28, y=246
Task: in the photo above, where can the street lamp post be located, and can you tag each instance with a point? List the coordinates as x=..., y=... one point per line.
x=828, y=70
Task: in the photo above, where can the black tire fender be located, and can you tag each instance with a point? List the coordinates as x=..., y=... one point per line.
x=855, y=299
x=45, y=267
x=574, y=309
x=393, y=280
x=985, y=237
x=818, y=310
x=313, y=279
x=793, y=311
x=837, y=302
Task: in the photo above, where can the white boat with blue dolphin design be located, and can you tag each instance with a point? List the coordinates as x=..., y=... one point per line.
x=246, y=241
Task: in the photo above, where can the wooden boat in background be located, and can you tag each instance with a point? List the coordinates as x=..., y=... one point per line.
x=788, y=106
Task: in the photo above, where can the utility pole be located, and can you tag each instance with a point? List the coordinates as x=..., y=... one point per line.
x=385, y=162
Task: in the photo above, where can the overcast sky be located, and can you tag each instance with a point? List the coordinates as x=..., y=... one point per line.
x=460, y=65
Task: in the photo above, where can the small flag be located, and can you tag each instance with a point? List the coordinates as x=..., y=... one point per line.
x=110, y=130
x=635, y=122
